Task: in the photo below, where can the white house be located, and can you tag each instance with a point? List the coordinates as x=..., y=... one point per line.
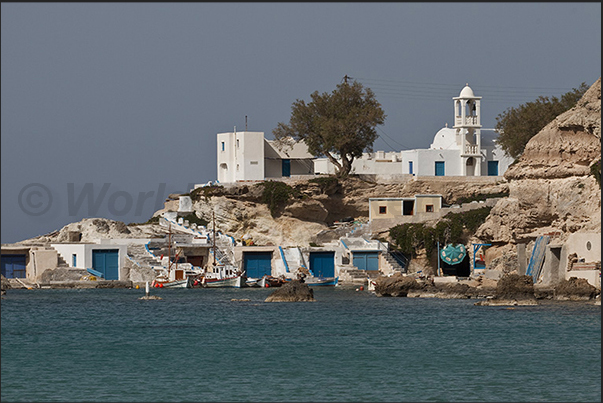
x=248, y=156
x=466, y=149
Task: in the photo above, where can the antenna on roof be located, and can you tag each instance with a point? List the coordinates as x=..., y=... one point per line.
x=245, y=122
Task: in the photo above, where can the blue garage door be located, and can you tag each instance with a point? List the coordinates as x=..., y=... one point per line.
x=13, y=266
x=106, y=261
x=366, y=260
x=322, y=264
x=257, y=264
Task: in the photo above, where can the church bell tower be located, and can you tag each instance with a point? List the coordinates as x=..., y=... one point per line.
x=468, y=130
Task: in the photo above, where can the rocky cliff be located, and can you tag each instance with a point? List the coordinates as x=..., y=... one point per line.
x=551, y=186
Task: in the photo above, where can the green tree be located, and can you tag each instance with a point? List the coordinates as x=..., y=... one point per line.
x=339, y=125
x=518, y=125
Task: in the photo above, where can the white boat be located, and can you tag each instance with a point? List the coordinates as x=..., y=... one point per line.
x=232, y=282
x=252, y=282
x=321, y=281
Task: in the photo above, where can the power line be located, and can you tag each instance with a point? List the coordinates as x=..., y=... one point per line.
x=400, y=144
x=438, y=91
x=442, y=85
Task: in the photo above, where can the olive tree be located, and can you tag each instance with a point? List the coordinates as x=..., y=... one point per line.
x=339, y=125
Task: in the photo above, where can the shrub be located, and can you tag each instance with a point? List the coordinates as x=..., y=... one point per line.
x=276, y=194
x=206, y=192
x=452, y=228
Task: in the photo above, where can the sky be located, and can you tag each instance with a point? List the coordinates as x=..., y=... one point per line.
x=107, y=108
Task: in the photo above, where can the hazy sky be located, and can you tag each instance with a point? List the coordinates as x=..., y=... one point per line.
x=132, y=95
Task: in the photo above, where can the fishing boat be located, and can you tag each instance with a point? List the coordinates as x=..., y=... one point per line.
x=174, y=276
x=218, y=274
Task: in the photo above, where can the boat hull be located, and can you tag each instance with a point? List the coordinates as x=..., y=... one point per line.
x=171, y=284
x=321, y=281
x=229, y=282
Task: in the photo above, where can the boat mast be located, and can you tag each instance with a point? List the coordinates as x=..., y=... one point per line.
x=169, y=247
x=213, y=238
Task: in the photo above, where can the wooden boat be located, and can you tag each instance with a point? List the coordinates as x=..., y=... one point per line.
x=270, y=281
x=321, y=281
x=252, y=282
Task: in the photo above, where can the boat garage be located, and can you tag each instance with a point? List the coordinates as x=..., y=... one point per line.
x=257, y=264
x=322, y=264
x=365, y=260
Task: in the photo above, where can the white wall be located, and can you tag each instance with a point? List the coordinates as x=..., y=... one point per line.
x=66, y=251
x=240, y=156
x=249, y=156
x=83, y=253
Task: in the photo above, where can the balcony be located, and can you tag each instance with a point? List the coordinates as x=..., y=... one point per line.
x=469, y=121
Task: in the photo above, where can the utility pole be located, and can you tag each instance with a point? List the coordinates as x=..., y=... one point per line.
x=346, y=77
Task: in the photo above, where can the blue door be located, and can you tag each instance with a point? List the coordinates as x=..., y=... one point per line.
x=366, y=260
x=322, y=264
x=410, y=170
x=439, y=168
x=492, y=168
x=287, y=168
x=106, y=261
x=257, y=264
x=13, y=266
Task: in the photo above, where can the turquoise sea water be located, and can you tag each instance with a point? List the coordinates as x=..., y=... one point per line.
x=106, y=345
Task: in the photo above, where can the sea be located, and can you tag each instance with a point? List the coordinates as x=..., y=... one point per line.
x=228, y=345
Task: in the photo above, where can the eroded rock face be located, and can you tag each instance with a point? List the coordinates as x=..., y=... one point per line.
x=293, y=291
x=566, y=146
x=551, y=189
x=92, y=229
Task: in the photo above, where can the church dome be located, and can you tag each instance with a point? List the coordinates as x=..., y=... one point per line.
x=467, y=92
x=445, y=139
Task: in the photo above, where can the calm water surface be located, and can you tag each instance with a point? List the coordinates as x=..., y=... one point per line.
x=106, y=345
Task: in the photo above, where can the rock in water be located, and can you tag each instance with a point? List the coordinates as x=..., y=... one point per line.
x=292, y=291
x=513, y=289
x=575, y=289
x=394, y=286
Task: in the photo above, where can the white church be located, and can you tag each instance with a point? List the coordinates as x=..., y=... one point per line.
x=462, y=150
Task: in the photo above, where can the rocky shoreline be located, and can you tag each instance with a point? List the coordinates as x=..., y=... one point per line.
x=510, y=290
